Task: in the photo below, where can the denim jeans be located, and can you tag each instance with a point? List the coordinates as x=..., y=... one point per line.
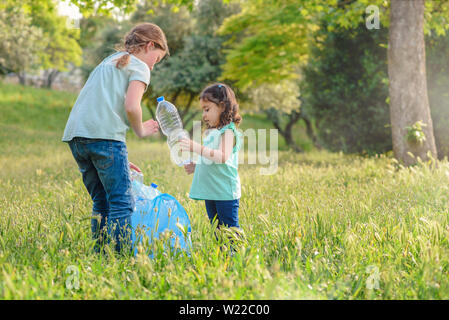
x=226, y=211
x=105, y=170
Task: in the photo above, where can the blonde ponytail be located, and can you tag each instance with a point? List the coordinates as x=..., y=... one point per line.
x=123, y=61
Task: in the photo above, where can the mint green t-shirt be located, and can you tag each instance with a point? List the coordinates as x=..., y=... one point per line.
x=99, y=110
x=217, y=181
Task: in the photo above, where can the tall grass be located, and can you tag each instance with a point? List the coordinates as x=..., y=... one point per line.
x=317, y=228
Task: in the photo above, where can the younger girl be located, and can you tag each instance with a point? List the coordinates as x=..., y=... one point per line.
x=216, y=179
x=96, y=129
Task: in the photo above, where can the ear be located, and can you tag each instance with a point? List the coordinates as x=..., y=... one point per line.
x=222, y=105
x=149, y=46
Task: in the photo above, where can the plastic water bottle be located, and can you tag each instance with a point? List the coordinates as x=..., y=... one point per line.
x=152, y=191
x=168, y=117
x=136, y=176
x=171, y=125
x=141, y=191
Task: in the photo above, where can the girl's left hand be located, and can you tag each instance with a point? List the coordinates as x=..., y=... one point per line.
x=134, y=167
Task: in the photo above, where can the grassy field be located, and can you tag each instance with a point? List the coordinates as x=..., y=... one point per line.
x=325, y=226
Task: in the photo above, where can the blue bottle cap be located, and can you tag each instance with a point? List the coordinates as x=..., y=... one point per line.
x=154, y=185
x=160, y=99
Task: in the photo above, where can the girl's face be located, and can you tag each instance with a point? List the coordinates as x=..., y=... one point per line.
x=152, y=55
x=211, y=113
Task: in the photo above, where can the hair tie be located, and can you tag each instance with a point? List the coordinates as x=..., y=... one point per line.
x=220, y=85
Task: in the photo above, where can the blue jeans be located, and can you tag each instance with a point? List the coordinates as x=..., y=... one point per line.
x=226, y=211
x=105, y=170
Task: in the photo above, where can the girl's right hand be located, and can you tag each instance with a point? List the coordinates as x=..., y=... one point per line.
x=190, y=167
x=149, y=127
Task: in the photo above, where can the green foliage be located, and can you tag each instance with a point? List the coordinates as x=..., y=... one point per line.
x=415, y=134
x=62, y=47
x=270, y=39
x=282, y=96
x=177, y=23
x=54, y=48
x=105, y=7
x=345, y=91
x=99, y=35
x=191, y=68
x=20, y=41
x=266, y=42
x=352, y=13
x=366, y=80
x=437, y=17
x=195, y=50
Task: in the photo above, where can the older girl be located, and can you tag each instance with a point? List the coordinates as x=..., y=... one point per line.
x=106, y=107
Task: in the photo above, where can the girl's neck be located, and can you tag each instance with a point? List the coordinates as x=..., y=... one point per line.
x=219, y=127
x=227, y=124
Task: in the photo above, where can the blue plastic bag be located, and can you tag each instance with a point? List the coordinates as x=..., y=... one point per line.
x=158, y=215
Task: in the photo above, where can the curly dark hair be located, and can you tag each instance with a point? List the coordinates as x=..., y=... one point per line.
x=223, y=96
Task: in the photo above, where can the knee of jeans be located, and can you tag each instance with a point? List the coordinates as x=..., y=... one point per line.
x=121, y=207
x=121, y=212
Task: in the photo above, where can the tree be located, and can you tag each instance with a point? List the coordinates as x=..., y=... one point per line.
x=267, y=42
x=20, y=42
x=277, y=35
x=263, y=56
x=105, y=7
x=412, y=128
x=345, y=89
x=197, y=63
x=268, y=98
x=57, y=46
x=177, y=23
x=95, y=40
x=62, y=48
x=264, y=28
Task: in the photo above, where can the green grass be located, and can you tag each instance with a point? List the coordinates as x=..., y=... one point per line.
x=312, y=230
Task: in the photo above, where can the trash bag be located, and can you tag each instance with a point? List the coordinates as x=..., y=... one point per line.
x=161, y=214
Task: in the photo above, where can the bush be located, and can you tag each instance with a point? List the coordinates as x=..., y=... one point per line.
x=345, y=90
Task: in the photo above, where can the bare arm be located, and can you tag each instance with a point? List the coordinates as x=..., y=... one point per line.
x=134, y=110
x=220, y=155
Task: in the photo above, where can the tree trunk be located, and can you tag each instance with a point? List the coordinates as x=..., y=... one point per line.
x=185, y=110
x=409, y=102
x=22, y=77
x=293, y=117
x=286, y=133
x=190, y=117
x=310, y=132
x=51, y=76
x=175, y=96
x=152, y=112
